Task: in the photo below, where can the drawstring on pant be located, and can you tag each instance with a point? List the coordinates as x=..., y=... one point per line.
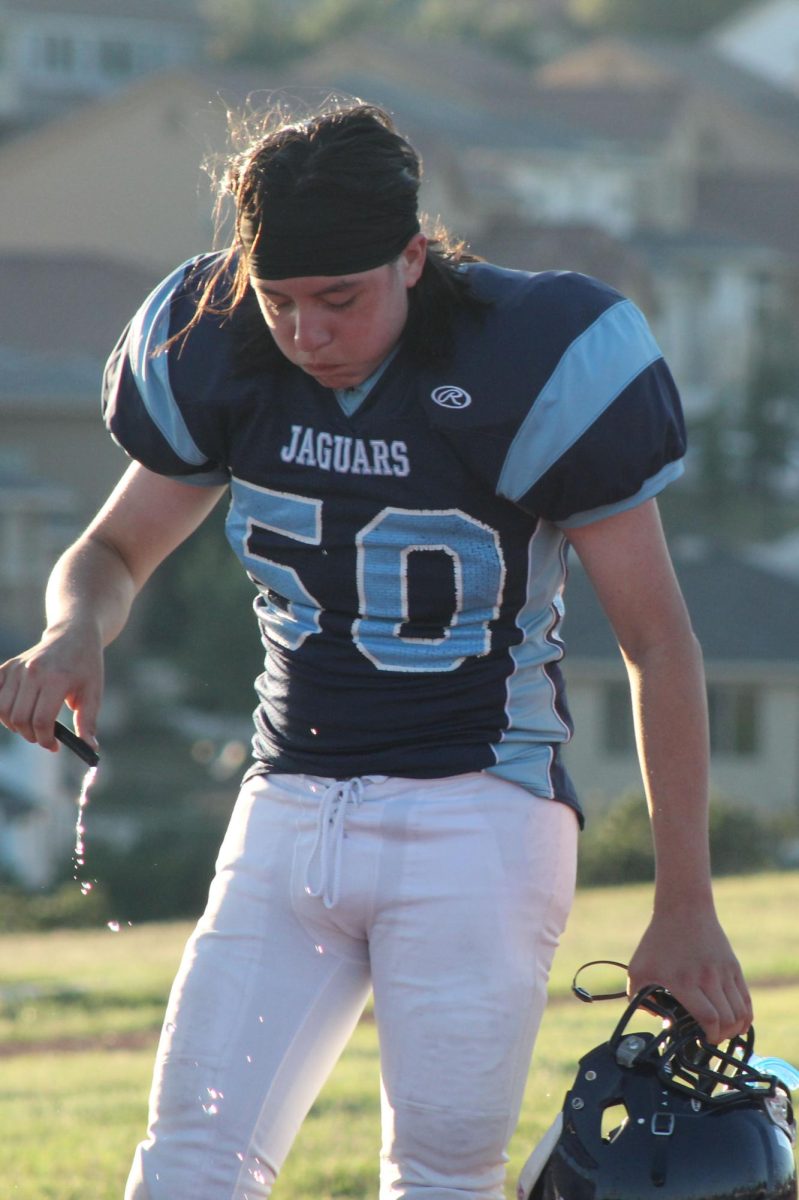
x=328, y=843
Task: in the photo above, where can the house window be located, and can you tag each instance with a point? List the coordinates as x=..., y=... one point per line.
x=734, y=719
x=116, y=58
x=19, y=548
x=59, y=53
x=618, y=735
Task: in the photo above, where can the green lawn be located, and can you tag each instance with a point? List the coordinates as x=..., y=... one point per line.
x=70, y=1119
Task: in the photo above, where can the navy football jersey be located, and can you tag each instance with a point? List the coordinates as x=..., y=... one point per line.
x=409, y=559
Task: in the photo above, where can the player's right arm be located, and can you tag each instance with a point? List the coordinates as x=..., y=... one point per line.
x=89, y=597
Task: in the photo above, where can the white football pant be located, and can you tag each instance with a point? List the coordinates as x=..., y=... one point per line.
x=446, y=897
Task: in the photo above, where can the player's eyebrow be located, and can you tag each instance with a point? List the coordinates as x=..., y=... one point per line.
x=341, y=285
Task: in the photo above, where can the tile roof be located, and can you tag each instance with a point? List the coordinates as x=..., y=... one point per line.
x=60, y=317
x=614, y=112
x=648, y=73
x=524, y=246
x=752, y=205
x=741, y=612
x=71, y=303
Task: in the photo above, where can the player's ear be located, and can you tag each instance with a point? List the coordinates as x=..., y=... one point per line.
x=412, y=260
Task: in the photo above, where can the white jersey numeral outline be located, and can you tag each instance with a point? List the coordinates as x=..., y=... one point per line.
x=385, y=545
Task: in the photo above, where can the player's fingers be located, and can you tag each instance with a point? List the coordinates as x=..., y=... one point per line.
x=15, y=701
x=722, y=1009
x=8, y=685
x=740, y=1002
x=704, y=1009
x=86, y=709
x=724, y=1023
x=44, y=710
x=32, y=704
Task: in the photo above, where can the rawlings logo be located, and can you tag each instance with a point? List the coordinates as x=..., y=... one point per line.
x=450, y=396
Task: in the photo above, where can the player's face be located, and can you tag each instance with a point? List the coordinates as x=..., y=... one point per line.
x=339, y=328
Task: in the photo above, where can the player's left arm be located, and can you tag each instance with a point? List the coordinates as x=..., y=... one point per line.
x=684, y=947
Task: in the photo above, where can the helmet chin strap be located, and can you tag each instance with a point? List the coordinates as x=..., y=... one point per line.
x=589, y=997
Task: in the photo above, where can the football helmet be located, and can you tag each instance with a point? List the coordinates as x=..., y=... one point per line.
x=665, y=1115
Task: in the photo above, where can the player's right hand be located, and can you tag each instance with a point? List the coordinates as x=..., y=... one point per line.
x=65, y=666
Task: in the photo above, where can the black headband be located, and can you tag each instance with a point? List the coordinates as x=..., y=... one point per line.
x=326, y=232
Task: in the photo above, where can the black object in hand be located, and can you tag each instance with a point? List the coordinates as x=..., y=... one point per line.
x=76, y=745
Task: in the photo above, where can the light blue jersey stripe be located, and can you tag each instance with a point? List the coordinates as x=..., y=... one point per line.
x=524, y=754
x=595, y=369
x=148, y=331
x=652, y=487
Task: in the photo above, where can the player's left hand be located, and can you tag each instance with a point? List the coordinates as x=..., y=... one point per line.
x=689, y=954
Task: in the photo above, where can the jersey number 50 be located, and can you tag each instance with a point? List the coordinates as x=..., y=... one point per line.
x=383, y=546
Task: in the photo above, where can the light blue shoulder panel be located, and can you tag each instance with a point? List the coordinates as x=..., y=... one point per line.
x=150, y=365
x=595, y=369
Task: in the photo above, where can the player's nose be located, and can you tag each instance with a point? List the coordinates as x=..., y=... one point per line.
x=310, y=332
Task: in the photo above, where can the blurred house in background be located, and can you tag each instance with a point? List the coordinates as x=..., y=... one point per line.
x=60, y=315
x=58, y=53
x=118, y=179
x=744, y=615
x=679, y=138
x=34, y=527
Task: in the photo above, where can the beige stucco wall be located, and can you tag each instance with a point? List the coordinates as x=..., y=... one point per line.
x=121, y=179
x=71, y=449
x=767, y=781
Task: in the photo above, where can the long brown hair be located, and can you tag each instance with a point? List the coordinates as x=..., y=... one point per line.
x=350, y=141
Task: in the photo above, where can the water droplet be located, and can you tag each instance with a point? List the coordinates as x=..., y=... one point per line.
x=113, y=926
x=210, y=1109
x=239, y=1156
x=319, y=949
x=249, y=1058
x=83, y=800
x=86, y=888
x=260, y=1020
x=170, y=1028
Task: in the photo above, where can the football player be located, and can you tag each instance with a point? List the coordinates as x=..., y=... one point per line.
x=409, y=441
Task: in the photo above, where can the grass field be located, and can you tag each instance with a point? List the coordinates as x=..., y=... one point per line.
x=79, y=1013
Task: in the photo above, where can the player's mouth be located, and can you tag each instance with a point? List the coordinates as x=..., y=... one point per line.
x=330, y=374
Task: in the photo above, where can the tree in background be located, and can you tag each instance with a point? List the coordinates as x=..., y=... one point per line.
x=679, y=18
x=270, y=32
x=769, y=423
x=262, y=32
x=508, y=27
x=746, y=450
x=197, y=616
